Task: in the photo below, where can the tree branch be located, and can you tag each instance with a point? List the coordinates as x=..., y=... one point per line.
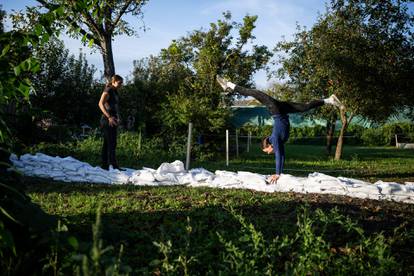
x=89, y=20
x=71, y=22
x=121, y=13
x=351, y=116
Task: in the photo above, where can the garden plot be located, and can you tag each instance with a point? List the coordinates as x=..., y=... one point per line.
x=69, y=169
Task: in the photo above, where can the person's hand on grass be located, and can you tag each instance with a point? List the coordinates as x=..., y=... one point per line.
x=273, y=179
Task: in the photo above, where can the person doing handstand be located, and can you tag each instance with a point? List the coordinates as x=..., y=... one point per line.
x=279, y=111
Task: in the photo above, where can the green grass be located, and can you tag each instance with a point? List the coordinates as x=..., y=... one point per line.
x=207, y=235
x=367, y=163
x=139, y=216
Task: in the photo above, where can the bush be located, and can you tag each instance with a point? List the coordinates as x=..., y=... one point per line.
x=385, y=135
x=381, y=135
x=131, y=147
x=374, y=137
x=327, y=243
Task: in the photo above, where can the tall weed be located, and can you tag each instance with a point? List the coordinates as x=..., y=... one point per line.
x=314, y=248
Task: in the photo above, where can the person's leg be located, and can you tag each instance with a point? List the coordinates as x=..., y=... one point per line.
x=105, y=148
x=280, y=136
x=257, y=94
x=271, y=103
x=274, y=106
x=291, y=107
x=112, y=145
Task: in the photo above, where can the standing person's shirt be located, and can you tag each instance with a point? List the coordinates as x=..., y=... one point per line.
x=112, y=106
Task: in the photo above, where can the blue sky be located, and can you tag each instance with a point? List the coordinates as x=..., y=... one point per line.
x=166, y=20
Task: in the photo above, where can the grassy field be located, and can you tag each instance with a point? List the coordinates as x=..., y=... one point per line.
x=197, y=231
x=367, y=163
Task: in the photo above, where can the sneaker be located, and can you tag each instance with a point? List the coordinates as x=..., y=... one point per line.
x=226, y=85
x=333, y=100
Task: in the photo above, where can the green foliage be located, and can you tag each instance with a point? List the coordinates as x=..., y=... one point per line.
x=307, y=249
x=377, y=135
x=385, y=135
x=131, y=148
x=179, y=86
x=99, y=260
x=360, y=50
x=64, y=86
x=181, y=264
x=24, y=226
x=81, y=18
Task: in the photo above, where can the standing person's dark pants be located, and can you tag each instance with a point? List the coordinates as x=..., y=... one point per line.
x=109, y=145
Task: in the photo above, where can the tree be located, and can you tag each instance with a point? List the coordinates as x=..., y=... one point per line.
x=154, y=78
x=97, y=22
x=200, y=56
x=362, y=51
x=24, y=227
x=64, y=85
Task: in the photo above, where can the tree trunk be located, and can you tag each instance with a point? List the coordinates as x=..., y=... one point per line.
x=108, y=58
x=330, y=130
x=345, y=122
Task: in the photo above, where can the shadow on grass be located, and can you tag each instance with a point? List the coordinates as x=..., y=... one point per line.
x=139, y=230
x=139, y=216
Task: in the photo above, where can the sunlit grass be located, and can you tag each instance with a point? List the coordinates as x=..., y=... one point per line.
x=139, y=216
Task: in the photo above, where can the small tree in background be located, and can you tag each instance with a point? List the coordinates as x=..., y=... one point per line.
x=202, y=55
x=96, y=22
x=360, y=50
x=64, y=85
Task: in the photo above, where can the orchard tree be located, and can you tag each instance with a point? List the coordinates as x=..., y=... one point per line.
x=361, y=50
x=227, y=49
x=64, y=85
x=97, y=22
x=154, y=79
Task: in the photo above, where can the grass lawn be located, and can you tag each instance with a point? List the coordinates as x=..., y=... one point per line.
x=367, y=163
x=200, y=230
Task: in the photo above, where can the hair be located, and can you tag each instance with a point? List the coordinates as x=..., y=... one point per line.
x=265, y=142
x=115, y=78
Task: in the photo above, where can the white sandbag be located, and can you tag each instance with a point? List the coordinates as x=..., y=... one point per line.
x=201, y=174
x=393, y=188
x=185, y=178
x=251, y=178
x=169, y=172
x=69, y=169
x=225, y=179
x=289, y=183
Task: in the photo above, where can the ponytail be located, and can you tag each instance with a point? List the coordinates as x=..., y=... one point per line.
x=114, y=78
x=266, y=142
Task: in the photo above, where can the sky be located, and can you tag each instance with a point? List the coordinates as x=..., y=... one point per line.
x=166, y=20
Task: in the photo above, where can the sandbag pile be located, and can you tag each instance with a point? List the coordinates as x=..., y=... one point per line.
x=69, y=169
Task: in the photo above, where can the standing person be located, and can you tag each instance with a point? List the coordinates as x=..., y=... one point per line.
x=109, y=105
x=279, y=110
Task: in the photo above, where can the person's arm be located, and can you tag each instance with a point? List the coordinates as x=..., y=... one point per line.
x=103, y=100
x=279, y=164
x=278, y=150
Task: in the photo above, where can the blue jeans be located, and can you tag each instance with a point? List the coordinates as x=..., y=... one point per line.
x=279, y=137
